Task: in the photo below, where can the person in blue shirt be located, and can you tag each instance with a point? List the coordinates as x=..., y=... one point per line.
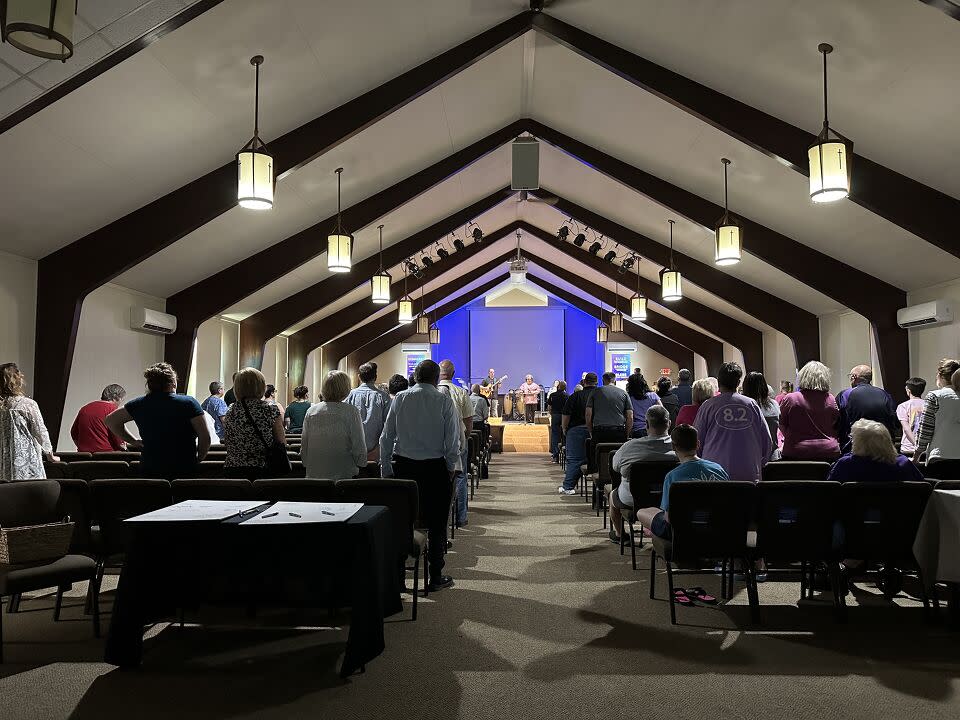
x=864, y=401
x=216, y=407
x=691, y=467
x=373, y=404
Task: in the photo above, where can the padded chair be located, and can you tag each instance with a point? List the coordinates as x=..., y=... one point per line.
x=646, y=487
x=795, y=523
x=942, y=470
x=32, y=502
x=126, y=456
x=56, y=470
x=880, y=521
x=69, y=457
x=710, y=521
x=947, y=485
x=211, y=489
x=402, y=497
x=297, y=489
x=589, y=468
x=372, y=470
x=604, y=452
x=795, y=470
x=209, y=470
x=90, y=470
x=297, y=469
x=216, y=455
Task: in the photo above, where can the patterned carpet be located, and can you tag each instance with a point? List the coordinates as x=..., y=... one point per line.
x=546, y=620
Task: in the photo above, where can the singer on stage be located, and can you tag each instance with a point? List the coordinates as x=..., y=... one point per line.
x=531, y=397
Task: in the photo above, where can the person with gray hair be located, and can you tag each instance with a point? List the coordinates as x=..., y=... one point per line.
x=216, y=407
x=373, y=404
x=873, y=457
x=809, y=417
x=465, y=408
x=421, y=442
x=89, y=432
x=863, y=400
x=333, y=444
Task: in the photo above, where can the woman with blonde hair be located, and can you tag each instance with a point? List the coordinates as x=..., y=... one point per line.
x=939, y=435
x=251, y=427
x=809, y=417
x=702, y=390
x=333, y=445
x=24, y=440
x=873, y=457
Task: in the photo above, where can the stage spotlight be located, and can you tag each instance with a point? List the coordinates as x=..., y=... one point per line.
x=580, y=239
x=563, y=233
x=627, y=263
x=426, y=261
x=413, y=269
x=477, y=234
x=443, y=253
x=458, y=244
x=610, y=256
x=595, y=248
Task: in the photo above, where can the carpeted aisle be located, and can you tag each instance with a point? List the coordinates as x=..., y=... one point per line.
x=546, y=621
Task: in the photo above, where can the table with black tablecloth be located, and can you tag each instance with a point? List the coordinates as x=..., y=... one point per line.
x=170, y=565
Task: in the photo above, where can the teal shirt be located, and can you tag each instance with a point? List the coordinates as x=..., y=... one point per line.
x=295, y=412
x=691, y=470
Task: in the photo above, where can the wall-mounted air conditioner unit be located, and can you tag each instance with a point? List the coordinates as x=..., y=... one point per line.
x=936, y=312
x=152, y=321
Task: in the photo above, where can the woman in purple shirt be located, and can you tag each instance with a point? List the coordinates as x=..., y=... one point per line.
x=874, y=458
x=809, y=417
x=641, y=399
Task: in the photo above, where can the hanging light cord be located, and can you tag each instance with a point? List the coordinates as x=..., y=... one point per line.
x=671, y=243
x=339, y=228
x=380, y=228
x=256, y=103
x=825, y=122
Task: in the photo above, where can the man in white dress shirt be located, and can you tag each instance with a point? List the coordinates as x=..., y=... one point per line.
x=465, y=407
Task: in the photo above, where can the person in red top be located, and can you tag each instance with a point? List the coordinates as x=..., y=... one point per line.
x=88, y=431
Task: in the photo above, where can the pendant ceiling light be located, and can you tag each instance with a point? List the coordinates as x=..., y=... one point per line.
x=434, y=334
x=405, y=306
x=729, y=231
x=671, y=288
x=423, y=322
x=255, y=182
x=638, y=303
x=831, y=155
x=518, y=266
x=43, y=28
x=616, y=319
x=339, y=242
x=603, y=332
x=380, y=283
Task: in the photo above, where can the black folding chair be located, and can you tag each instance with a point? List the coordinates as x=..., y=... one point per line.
x=90, y=470
x=603, y=452
x=646, y=487
x=211, y=489
x=295, y=489
x=942, y=470
x=795, y=470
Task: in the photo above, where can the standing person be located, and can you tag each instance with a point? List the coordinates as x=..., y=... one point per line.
x=574, y=425
x=809, y=417
x=270, y=396
x=556, y=403
x=88, y=431
x=642, y=398
x=531, y=397
x=755, y=387
x=703, y=390
x=732, y=430
x=334, y=444
x=297, y=410
x=173, y=431
x=373, y=405
x=909, y=412
x=863, y=400
x=939, y=435
x=481, y=406
x=421, y=442
x=397, y=384
x=24, y=440
x=216, y=407
x=231, y=396
x=668, y=398
x=609, y=413
x=786, y=387
x=491, y=381
x=465, y=409
x=684, y=387
x=252, y=426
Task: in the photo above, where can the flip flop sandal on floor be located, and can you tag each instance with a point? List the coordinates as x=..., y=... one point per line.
x=680, y=597
x=701, y=595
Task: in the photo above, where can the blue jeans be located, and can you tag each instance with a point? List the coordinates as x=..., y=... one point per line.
x=556, y=433
x=462, y=489
x=576, y=454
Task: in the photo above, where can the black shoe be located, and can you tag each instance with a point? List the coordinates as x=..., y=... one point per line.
x=444, y=581
x=615, y=539
x=462, y=524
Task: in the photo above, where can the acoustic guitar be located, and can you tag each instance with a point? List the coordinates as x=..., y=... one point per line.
x=490, y=390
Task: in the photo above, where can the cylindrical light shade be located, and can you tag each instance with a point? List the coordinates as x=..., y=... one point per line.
x=603, y=333
x=405, y=312
x=255, y=179
x=380, y=288
x=616, y=322
x=829, y=169
x=671, y=288
x=729, y=245
x=518, y=275
x=423, y=325
x=434, y=335
x=339, y=253
x=638, y=307
x=40, y=27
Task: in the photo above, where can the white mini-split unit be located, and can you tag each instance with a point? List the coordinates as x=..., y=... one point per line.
x=152, y=321
x=936, y=312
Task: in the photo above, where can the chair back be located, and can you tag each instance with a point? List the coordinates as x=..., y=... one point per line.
x=116, y=499
x=124, y=455
x=795, y=519
x=217, y=455
x=211, y=489
x=297, y=489
x=947, y=485
x=605, y=452
x=29, y=502
x=710, y=519
x=372, y=470
x=646, y=481
x=942, y=470
x=90, y=470
x=591, y=456
x=56, y=470
x=69, y=457
x=297, y=469
x=795, y=470
x=880, y=519
x=401, y=496
x=209, y=469
x=75, y=502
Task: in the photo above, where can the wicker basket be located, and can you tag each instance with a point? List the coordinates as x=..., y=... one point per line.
x=35, y=543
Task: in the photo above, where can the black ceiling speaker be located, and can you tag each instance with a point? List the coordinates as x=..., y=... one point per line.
x=595, y=248
x=610, y=256
x=525, y=173
x=580, y=239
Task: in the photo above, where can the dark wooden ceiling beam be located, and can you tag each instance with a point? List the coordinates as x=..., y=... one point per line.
x=927, y=213
x=257, y=329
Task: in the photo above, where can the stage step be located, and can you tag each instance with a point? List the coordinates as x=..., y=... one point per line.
x=521, y=438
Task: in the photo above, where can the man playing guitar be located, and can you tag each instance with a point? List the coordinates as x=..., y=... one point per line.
x=490, y=389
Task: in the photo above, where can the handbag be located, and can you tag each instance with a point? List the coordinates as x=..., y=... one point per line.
x=35, y=543
x=278, y=462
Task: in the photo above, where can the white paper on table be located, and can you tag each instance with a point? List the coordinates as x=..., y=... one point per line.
x=288, y=513
x=199, y=510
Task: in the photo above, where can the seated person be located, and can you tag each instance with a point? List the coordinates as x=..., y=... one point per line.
x=873, y=457
x=652, y=447
x=691, y=467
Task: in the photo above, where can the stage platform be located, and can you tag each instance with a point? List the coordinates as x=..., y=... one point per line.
x=521, y=438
